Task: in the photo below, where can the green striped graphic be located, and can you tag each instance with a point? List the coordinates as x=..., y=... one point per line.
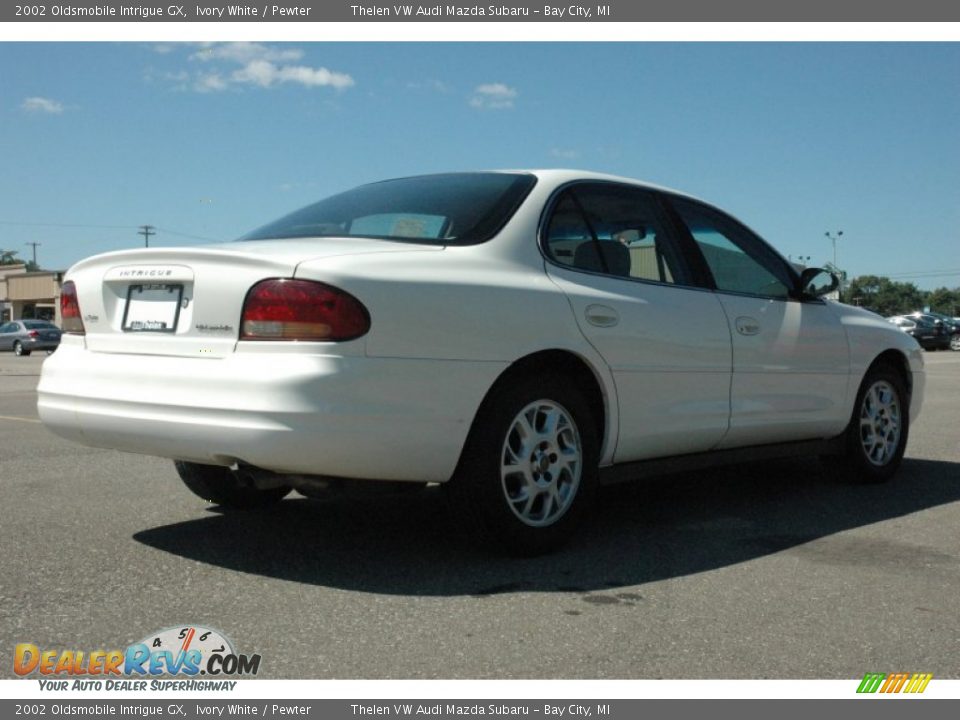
x=871, y=682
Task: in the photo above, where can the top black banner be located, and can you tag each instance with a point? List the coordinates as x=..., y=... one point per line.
x=511, y=11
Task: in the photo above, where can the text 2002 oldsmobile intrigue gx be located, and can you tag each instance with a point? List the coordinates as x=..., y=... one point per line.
x=519, y=336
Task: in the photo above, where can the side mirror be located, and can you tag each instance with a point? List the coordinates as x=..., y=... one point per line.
x=817, y=282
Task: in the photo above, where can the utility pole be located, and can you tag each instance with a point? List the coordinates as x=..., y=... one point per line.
x=34, y=244
x=146, y=231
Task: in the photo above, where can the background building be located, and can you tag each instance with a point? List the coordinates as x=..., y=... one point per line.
x=29, y=294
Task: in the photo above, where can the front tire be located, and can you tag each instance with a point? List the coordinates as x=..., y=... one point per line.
x=527, y=476
x=875, y=439
x=220, y=485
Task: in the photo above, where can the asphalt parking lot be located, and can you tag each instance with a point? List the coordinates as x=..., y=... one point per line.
x=760, y=571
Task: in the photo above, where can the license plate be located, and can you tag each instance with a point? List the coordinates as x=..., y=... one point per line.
x=152, y=308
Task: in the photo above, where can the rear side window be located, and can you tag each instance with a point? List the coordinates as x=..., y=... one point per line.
x=39, y=325
x=451, y=209
x=613, y=230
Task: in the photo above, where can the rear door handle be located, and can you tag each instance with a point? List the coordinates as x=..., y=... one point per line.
x=601, y=315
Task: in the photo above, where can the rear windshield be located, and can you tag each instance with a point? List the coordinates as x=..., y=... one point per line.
x=39, y=325
x=451, y=209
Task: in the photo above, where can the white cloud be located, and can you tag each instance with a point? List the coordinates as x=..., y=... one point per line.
x=434, y=85
x=209, y=82
x=257, y=72
x=245, y=52
x=564, y=154
x=248, y=63
x=265, y=73
x=493, y=96
x=42, y=105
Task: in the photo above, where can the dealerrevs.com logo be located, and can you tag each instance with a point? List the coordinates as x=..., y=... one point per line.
x=185, y=651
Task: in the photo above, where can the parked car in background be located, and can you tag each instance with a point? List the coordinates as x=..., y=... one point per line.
x=25, y=336
x=925, y=330
x=518, y=337
x=951, y=324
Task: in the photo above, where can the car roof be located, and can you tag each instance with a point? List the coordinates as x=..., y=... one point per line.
x=560, y=176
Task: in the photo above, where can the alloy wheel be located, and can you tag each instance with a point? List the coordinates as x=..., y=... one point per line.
x=880, y=423
x=541, y=463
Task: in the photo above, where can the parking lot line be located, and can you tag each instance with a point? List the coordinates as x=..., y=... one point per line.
x=20, y=419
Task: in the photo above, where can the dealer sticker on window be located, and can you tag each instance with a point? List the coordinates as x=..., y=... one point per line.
x=152, y=308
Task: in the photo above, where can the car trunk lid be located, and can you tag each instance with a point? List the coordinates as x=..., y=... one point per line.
x=188, y=301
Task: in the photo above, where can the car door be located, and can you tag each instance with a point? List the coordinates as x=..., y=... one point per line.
x=791, y=359
x=609, y=248
x=6, y=335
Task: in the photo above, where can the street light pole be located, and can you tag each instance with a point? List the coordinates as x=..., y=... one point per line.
x=836, y=269
x=833, y=239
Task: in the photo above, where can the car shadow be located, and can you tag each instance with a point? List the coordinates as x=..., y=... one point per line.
x=661, y=528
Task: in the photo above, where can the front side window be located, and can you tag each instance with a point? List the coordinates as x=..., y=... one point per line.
x=451, y=209
x=739, y=261
x=613, y=230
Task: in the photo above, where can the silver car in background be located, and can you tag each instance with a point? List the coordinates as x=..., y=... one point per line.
x=25, y=336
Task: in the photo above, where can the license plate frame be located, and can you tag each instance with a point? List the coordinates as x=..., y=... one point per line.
x=152, y=307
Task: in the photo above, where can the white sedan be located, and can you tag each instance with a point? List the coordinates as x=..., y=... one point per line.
x=520, y=337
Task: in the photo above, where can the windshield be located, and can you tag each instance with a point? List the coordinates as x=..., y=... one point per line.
x=451, y=209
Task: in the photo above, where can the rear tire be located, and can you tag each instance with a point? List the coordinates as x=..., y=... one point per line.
x=19, y=350
x=876, y=437
x=527, y=476
x=220, y=485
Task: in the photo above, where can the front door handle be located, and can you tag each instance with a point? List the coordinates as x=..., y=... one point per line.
x=747, y=325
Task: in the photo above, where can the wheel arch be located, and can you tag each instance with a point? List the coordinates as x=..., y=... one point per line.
x=599, y=396
x=855, y=458
x=899, y=362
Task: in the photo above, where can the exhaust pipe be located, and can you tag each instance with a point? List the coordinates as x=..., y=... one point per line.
x=319, y=486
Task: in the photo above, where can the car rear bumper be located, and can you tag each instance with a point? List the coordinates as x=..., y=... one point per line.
x=352, y=417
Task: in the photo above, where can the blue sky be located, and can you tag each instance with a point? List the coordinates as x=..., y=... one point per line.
x=210, y=141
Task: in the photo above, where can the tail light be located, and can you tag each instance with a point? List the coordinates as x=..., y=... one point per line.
x=301, y=310
x=70, y=309
x=33, y=334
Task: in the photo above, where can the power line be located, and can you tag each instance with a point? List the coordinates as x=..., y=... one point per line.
x=168, y=231
x=926, y=273
x=67, y=225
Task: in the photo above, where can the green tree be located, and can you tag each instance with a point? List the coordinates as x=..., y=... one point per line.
x=885, y=296
x=946, y=301
x=9, y=257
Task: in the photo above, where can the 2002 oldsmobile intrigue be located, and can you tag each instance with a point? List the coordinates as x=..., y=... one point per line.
x=519, y=336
